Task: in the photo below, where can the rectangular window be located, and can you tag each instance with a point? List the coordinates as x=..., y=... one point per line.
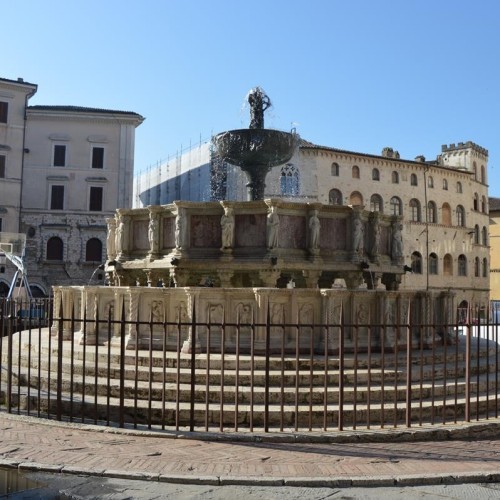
x=59, y=155
x=4, y=111
x=95, y=202
x=97, y=157
x=57, y=198
x=0, y=225
x=2, y=166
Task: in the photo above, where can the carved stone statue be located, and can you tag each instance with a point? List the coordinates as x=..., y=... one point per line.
x=397, y=241
x=375, y=250
x=314, y=228
x=273, y=223
x=259, y=102
x=111, y=238
x=153, y=233
x=227, y=224
x=358, y=235
x=121, y=236
x=180, y=229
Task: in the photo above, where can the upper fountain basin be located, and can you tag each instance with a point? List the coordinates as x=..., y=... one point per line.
x=252, y=147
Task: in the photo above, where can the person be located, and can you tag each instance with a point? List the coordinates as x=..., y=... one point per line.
x=273, y=222
x=314, y=227
x=227, y=224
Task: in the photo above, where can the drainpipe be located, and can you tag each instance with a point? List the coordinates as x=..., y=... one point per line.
x=23, y=152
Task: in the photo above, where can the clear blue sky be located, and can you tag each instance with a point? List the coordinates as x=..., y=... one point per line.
x=356, y=75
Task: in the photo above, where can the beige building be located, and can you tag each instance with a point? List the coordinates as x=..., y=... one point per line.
x=66, y=169
x=495, y=249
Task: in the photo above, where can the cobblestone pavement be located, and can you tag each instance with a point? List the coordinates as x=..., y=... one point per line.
x=39, y=445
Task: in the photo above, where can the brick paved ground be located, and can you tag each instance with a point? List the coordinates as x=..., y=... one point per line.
x=40, y=444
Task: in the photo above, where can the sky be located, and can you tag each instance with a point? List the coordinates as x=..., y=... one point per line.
x=358, y=75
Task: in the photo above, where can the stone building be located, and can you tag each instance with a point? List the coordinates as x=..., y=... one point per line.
x=494, y=213
x=443, y=203
x=63, y=170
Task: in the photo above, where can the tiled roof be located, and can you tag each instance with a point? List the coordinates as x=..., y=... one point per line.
x=82, y=109
x=19, y=81
x=494, y=204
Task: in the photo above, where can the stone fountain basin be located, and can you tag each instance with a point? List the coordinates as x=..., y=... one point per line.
x=248, y=148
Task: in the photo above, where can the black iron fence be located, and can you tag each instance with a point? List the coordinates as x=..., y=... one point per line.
x=344, y=376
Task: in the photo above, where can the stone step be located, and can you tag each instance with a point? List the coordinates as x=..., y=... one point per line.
x=289, y=416
x=280, y=388
x=277, y=377
x=171, y=359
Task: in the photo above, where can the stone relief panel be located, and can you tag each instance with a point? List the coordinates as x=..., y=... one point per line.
x=168, y=232
x=140, y=239
x=250, y=230
x=292, y=231
x=333, y=234
x=205, y=231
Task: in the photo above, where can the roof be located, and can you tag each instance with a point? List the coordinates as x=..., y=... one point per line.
x=19, y=81
x=494, y=204
x=309, y=145
x=83, y=109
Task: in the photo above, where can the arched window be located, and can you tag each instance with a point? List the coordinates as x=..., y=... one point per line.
x=476, y=267
x=484, y=236
x=414, y=180
x=395, y=177
x=93, y=250
x=459, y=187
x=484, y=205
x=355, y=172
x=414, y=210
x=289, y=180
x=476, y=202
x=430, y=181
x=460, y=216
x=375, y=174
x=485, y=267
x=335, y=169
x=433, y=263
x=416, y=263
x=396, y=206
x=376, y=203
x=448, y=265
x=356, y=199
x=462, y=265
x=483, y=174
x=446, y=214
x=431, y=212
x=55, y=248
x=445, y=184
x=476, y=234
x=335, y=197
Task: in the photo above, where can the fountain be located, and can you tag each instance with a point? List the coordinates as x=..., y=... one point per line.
x=256, y=150
x=291, y=261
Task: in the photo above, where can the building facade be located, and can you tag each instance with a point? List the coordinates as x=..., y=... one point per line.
x=443, y=203
x=66, y=169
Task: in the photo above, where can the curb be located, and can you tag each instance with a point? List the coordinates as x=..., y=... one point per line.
x=304, y=482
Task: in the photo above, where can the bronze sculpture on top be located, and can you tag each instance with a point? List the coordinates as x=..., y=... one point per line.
x=256, y=149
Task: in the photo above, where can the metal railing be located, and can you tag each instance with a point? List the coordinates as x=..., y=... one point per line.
x=229, y=376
